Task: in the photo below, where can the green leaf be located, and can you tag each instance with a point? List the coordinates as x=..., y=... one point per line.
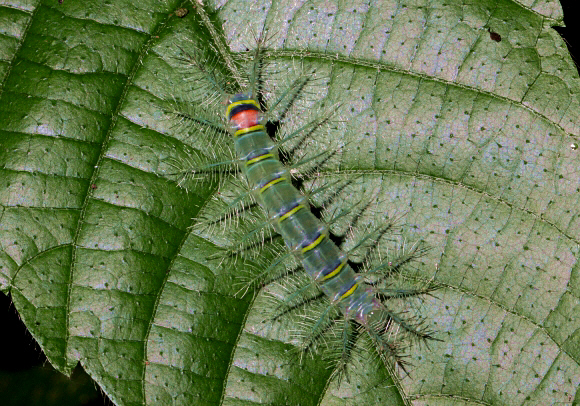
x=475, y=139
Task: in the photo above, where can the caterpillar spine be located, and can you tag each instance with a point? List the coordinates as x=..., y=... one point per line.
x=357, y=305
x=303, y=233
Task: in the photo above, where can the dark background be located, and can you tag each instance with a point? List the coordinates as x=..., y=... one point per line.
x=26, y=377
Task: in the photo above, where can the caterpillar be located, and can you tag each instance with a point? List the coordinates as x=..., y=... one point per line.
x=354, y=302
x=302, y=232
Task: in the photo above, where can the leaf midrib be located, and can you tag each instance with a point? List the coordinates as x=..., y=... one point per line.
x=380, y=67
x=88, y=197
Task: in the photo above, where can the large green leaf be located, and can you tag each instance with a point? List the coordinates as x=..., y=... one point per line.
x=475, y=139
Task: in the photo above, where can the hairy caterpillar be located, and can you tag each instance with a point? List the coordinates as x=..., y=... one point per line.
x=302, y=232
x=352, y=304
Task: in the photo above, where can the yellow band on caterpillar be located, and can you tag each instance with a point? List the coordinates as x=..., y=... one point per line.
x=313, y=244
x=239, y=103
x=272, y=182
x=248, y=130
x=290, y=213
x=335, y=272
x=349, y=292
x=259, y=158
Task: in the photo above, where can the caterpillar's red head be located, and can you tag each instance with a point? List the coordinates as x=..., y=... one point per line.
x=243, y=112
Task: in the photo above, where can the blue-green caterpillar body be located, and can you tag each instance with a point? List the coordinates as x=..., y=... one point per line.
x=302, y=232
x=308, y=238
x=357, y=296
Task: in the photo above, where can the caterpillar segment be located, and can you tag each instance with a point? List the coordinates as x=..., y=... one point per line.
x=303, y=233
